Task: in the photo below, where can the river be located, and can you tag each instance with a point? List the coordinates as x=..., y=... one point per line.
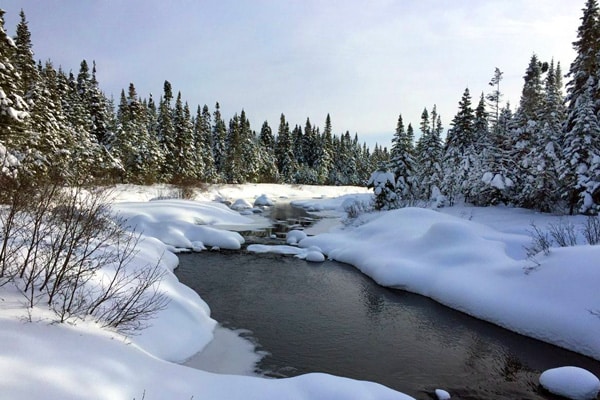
x=330, y=318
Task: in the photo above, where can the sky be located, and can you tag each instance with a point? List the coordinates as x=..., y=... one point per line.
x=363, y=62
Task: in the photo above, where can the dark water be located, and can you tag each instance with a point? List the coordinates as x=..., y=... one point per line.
x=330, y=318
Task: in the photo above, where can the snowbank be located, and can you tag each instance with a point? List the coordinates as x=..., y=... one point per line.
x=63, y=361
x=480, y=271
x=183, y=223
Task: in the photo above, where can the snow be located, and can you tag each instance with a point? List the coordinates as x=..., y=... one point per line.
x=442, y=394
x=241, y=204
x=471, y=259
x=571, y=382
x=263, y=201
x=295, y=236
x=312, y=254
x=480, y=270
x=73, y=361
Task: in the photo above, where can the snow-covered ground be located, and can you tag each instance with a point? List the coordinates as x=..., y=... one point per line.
x=472, y=259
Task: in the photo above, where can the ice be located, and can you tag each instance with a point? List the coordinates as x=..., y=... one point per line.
x=571, y=382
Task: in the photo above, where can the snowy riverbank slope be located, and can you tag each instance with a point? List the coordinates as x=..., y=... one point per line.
x=43, y=359
x=476, y=261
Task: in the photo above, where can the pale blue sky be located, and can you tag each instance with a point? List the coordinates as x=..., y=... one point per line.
x=364, y=62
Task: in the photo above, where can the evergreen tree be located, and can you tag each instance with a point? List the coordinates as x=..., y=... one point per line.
x=545, y=193
x=494, y=100
x=205, y=169
x=284, y=152
x=324, y=161
x=267, y=171
x=581, y=145
x=459, y=152
x=166, y=131
x=429, y=155
x=219, y=135
x=13, y=108
x=402, y=162
x=526, y=132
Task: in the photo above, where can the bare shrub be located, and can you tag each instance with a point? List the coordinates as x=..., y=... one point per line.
x=540, y=242
x=56, y=241
x=563, y=233
x=591, y=230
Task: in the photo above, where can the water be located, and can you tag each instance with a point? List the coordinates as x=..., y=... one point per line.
x=330, y=318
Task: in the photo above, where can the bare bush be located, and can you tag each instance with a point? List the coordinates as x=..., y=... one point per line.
x=563, y=233
x=591, y=230
x=56, y=241
x=540, y=242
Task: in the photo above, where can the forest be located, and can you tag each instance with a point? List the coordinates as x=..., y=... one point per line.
x=543, y=155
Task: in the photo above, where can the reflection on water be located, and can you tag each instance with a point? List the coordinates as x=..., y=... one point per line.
x=330, y=318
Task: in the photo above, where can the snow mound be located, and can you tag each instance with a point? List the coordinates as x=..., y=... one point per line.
x=241, y=204
x=295, y=236
x=263, y=201
x=442, y=394
x=183, y=223
x=315, y=256
x=571, y=382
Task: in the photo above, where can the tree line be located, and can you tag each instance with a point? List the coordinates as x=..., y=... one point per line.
x=62, y=125
x=545, y=155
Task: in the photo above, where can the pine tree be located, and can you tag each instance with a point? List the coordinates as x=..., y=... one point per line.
x=183, y=143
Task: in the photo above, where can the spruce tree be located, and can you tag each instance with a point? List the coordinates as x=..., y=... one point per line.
x=459, y=152
x=580, y=182
x=219, y=135
x=429, y=156
x=402, y=162
x=267, y=170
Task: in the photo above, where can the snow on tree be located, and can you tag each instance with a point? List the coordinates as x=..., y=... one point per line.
x=459, y=152
x=581, y=142
x=284, y=152
x=429, y=154
x=267, y=171
x=402, y=163
x=383, y=183
x=13, y=108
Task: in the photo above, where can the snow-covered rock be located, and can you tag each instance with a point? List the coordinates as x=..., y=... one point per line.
x=315, y=256
x=295, y=236
x=442, y=394
x=241, y=204
x=263, y=201
x=571, y=382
